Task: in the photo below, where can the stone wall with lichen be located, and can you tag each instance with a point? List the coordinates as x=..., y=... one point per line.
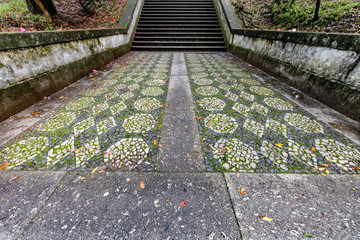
x=37, y=64
x=325, y=66
x=329, y=74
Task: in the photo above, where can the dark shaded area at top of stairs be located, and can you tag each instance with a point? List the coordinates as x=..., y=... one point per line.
x=181, y=25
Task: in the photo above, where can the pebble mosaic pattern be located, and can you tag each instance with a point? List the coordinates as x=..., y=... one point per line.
x=112, y=125
x=246, y=126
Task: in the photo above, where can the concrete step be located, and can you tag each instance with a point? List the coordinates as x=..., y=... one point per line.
x=178, y=43
x=178, y=6
x=209, y=3
x=150, y=18
x=180, y=10
x=178, y=15
x=179, y=48
x=173, y=38
x=194, y=30
x=141, y=22
x=178, y=34
x=144, y=26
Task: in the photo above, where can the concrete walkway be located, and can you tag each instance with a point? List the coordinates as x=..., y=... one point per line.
x=166, y=146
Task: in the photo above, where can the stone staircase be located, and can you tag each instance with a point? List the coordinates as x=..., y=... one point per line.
x=178, y=25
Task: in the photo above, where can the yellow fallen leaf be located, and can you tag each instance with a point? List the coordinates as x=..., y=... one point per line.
x=82, y=178
x=323, y=174
x=353, y=189
x=321, y=169
x=327, y=171
x=228, y=149
x=279, y=145
x=94, y=170
x=266, y=218
x=198, y=101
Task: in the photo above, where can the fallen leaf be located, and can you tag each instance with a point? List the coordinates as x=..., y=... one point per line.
x=313, y=149
x=227, y=148
x=199, y=118
x=2, y=166
x=142, y=185
x=309, y=235
x=108, y=153
x=16, y=177
x=353, y=189
x=188, y=155
x=160, y=145
x=83, y=178
x=357, y=168
x=323, y=174
x=75, y=150
x=325, y=165
x=241, y=192
x=266, y=218
x=237, y=175
x=327, y=171
x=280, y=145
x=222, y=149
x=36, y=113
x=101, y=171
x=183, y=203
x=94, y=170
x=321, y=169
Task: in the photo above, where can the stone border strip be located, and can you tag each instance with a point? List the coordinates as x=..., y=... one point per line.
x=180, y=141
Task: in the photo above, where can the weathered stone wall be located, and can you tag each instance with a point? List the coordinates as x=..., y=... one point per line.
x=37, y=64
x=324, y=66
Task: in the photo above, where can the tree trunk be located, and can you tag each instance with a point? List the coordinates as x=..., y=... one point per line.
x=35, y=9
x=317, y=10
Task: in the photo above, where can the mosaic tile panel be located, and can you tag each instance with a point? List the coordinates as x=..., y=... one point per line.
x=255, y=128
x=111, y=125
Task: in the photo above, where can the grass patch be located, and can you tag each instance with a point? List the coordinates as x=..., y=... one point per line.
x=13, y=7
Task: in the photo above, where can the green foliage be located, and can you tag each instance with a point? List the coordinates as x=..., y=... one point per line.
x=13, y=7
x=302, y=12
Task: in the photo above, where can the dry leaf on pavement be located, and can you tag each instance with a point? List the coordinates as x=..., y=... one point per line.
x=183, y=203
x=142, y=185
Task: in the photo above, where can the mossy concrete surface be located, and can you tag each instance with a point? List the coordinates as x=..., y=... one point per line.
x=35, y=65
x=23, y=94
x=336, y=94
x=324, y=65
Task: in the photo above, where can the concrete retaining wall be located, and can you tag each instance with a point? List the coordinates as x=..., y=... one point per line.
x=37, y=64
x=324, y=66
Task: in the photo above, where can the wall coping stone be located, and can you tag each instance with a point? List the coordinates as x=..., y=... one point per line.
x=17, y=40
x=340, y=41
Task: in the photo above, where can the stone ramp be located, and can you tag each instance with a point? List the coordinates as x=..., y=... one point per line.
x=191, y=121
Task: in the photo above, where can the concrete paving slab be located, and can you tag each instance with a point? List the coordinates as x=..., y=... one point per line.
x=179, y=94
x=180, y=140
x=325, y=207
x=181, y=149
x=22, y=195
x=113, y=206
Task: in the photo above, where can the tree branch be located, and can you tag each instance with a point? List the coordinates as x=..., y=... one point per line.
x=43, y=9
